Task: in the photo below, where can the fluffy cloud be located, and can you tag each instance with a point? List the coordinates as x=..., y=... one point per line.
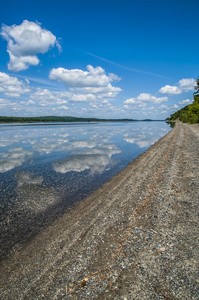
x=25, y=41
x=11, y=86
x=43, y=94
x=5, y=103
x=53, y=100
x=187, y=84
x=170, y=90
x=108, y=91
x=94, y=77
x=46, y=97
x=82, y=97
x=145, y=97
x=187, y=102
x=30, y=102
x=184, y=85
x=86, y=86
x=63, y=107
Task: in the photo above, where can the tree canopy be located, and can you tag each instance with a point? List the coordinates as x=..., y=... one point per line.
x=49, y=119
x=196, y=94
x=189, y=113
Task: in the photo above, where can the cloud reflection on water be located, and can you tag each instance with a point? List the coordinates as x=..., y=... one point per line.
x=13, y=158
x=141, y=143
x=78, y=163
x=93, y=159
x=27, y=178
x=146, y=138
x=36, y=198
x=73, y=140
x=31, y=195
x=35, y=164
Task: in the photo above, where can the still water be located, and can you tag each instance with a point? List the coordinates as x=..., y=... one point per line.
x=45, y=168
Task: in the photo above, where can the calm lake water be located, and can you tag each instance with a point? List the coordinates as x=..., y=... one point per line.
x=45, y=168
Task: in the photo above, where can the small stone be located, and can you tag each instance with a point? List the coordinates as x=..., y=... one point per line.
x=162, y=249
x=83, y=283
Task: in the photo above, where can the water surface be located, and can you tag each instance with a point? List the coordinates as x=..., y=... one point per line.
x=46, y=168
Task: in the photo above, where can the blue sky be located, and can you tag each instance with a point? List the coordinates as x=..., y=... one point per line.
x=108, y=59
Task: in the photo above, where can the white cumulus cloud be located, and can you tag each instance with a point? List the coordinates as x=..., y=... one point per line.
x=170, y=90
x=184, y=85
x=145, y=97
x=82, y=97
x=46, y=97
x=186, y=102
x=187, y=84
x=63, y=107
x=93, y=77
x=108, y=91
x=25, y=41
x=11, y=87
x=5, y=103
x=86, y=86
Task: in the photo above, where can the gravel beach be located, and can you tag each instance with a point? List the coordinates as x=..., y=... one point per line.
x=136, y=237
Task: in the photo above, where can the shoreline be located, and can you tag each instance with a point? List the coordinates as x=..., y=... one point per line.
x=128, y=239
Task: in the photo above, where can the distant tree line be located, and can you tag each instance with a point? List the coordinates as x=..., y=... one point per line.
x=190, y=113
x=49, y=119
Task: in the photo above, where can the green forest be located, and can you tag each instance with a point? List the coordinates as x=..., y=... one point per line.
x=49, y=119
x=190, y=113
